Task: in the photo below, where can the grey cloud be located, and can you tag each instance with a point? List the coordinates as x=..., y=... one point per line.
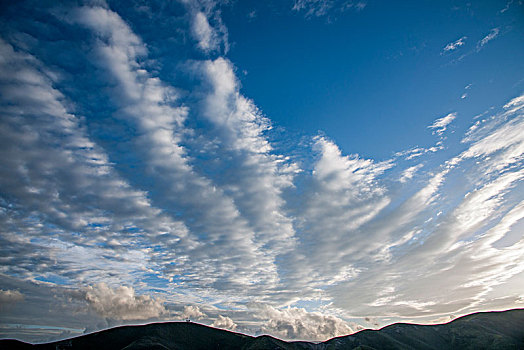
x=40, y=300
x=10, y=296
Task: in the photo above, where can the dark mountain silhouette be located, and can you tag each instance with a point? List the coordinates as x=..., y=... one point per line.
x=484, y=330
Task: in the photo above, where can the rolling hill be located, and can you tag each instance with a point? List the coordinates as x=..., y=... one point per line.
x=484, y=330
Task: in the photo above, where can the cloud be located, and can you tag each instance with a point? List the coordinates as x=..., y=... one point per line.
x=147, y=104
x=372, y=321
x=343, y=195
x=8, y=297
x=492, y=35
x=408, y=173
x=440, y=125
x=417, y=152
x=515, y=104
x=205, y=35
x=207, y=27
x=224, y=322
x=455, y=246
x=508, y=4
x=192, y=312
x=297, y=323
x=455, y=45
x=60, y=182
x=259, y=175
x=123, y=167
x=319, y=8
x=122, y=304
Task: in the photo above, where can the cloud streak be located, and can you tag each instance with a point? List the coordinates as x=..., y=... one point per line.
x=492, y=35
x=320, y=8
x=455, y=45
x=440, y=125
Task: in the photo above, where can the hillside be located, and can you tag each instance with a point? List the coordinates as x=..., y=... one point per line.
x=486, y=330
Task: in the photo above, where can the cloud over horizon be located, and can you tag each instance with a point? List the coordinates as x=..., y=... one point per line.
x=122, y=303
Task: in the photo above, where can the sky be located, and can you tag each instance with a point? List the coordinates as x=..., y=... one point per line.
x=299, y=168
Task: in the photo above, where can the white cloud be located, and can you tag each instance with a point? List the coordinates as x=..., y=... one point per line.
x=297, y=323
x=492, y=35
x=313, y=7
x=321, y=8
x=455, y=44
x=260, y=175
x=515, y=104
x=440, y=125
x=213, y=213
x=417, y=152
x=503, y=144
x=55, y=170
x=206, y=25
x=122, y=304
x=207, y=39
x=408, y=173
x=455, y=247
x=224, y=322
x=193, y=312
x=343, y=196
x=147, y=104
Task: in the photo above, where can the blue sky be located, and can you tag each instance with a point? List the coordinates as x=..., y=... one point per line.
x=303, y=168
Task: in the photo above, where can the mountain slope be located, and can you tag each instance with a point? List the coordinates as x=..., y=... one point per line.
x=486, y=330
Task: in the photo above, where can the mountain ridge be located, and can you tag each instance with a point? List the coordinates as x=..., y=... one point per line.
x=483, y=330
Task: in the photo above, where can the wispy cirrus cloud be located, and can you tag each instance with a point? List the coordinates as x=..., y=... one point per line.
x=440, y=125
x=408, y=173
x=452, y=46
x=319, y=8
x=492, y=35
x=452, y=237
